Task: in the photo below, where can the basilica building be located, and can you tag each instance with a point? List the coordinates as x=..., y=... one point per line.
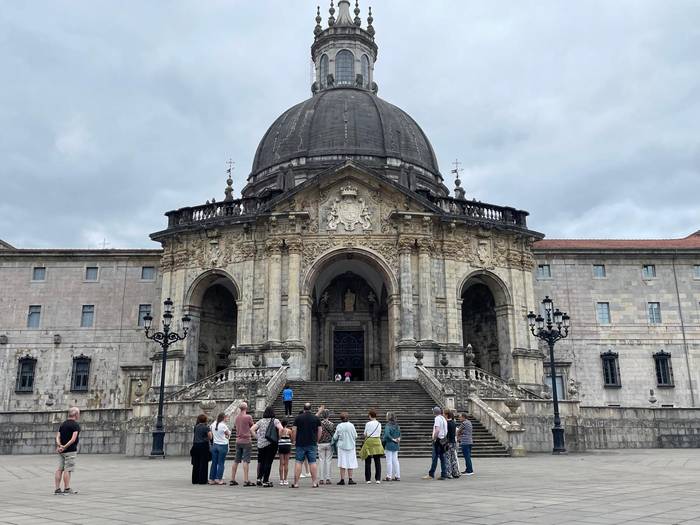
x=346, y=252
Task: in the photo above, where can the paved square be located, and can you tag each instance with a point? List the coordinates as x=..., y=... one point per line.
x=606, y=487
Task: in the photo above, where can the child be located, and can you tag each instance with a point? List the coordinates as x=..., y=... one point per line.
x=285, y=448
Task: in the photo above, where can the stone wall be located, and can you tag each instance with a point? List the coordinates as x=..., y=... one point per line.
x=102, y=431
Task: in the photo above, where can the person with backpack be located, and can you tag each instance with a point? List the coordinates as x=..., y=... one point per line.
x=267, y=431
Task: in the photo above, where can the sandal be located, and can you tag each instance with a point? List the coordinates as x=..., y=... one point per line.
x=233, y=483
x=248, y=484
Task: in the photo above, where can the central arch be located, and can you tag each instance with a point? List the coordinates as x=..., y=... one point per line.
x=351, y=310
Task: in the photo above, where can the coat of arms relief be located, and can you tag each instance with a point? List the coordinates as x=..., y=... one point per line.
x=349, y=210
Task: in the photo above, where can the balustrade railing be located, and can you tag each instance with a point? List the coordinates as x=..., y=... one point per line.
x=483, y=211
x=468, y=380
x=249, y=379
x=214, y=210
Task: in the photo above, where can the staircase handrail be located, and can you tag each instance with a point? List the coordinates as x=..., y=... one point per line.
x=230, y=374
x=275, y=385
x=497, y=385
x=439, y=392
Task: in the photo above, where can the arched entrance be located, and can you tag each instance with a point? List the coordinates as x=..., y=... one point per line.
x=351, y=301
x=214, y=311
x=485, y=307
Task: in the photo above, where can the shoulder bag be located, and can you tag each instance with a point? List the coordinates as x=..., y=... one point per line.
x=272, y=434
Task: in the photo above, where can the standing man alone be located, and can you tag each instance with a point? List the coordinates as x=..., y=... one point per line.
x=67, y=439
x=306, y=433
x=287, y=396
x=439, y=443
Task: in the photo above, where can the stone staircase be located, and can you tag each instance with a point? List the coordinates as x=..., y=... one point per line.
x=407, y=399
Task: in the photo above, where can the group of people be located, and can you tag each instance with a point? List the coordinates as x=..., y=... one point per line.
x=317, y=439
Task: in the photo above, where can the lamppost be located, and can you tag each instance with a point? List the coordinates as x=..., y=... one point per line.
x=551, y=329
x=164, y=339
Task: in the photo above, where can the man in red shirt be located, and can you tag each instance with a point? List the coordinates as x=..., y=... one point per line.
x=243, y=423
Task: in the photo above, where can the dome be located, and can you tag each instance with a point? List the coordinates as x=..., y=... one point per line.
x=341, y=122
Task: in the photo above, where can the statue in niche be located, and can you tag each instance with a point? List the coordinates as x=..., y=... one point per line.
x=349, y=301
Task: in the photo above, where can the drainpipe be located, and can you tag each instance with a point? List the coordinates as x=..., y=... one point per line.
x=685, y=341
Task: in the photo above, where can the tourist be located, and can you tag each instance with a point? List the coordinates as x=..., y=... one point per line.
x=391, y=440
x=284, y=447
x=243, y=423
x=325, y=448
x=200, y=452
x=439, y=439
x=451, y=449
x=348, y=375
x=287, y=396
x=219, y=449
x=338, y=377
x=372, y=448
x=345, y=439
x=267, y=444
x=305, y=434
x=67, y=439
x=466, y=441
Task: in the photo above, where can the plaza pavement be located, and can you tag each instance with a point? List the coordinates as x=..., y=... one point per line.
x=604, y=487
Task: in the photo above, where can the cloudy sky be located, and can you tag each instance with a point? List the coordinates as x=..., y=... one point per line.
x=586, y=114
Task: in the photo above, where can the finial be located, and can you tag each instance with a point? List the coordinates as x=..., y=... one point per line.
x=459, y=191
x=358, y=21
x=331, y=19
x=318, y=29
x=370, y=20
x=229, y=182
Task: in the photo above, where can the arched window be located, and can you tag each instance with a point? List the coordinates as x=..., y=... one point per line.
x=324, y=71
x=365, y=70
x=344, y=68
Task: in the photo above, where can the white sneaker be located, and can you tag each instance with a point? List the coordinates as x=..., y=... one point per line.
x=369, y=483
x=469, y=474
x=377, y=482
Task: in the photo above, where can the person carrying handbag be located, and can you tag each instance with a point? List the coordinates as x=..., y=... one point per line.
x=267, y=432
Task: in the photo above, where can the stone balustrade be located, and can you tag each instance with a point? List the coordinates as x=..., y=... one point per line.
x=482, y=211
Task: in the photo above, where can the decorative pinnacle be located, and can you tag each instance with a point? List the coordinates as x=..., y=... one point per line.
x=370, y=20
x=358, y=21
x=331, y=19
x=318, y=27
x=459, y=192
x=229, y=182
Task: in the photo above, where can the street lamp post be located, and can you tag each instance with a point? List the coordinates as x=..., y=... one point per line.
x=551, y=328
x=165, y=338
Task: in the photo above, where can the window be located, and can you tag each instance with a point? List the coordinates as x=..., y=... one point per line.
x=25, y=374
x=599, y=271
x=544, y=271
x=81, y=374
x=603, y=313
x=649, y=271
x=664, y=372
x=365, y=71
x=39, y=273
x=87, y=318
x=148, y=273
x=34, y=316
x=696, y=271
x=91, y=273
x=144, y=310
x=654, y=313
x=561, y=391
x=611, y=369
x=324, y=71
x=344, y=68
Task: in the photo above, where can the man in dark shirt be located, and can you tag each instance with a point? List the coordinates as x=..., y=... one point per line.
x=306, y=434
x=67, y=449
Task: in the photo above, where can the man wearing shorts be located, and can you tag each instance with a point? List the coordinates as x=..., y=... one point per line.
x=67, y=439
x=243, y=424
x=305, y=434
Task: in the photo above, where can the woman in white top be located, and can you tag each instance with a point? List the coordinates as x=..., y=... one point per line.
x=344, y=439
x=220, y=433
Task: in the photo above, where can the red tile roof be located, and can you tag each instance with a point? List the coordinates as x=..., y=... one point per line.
x=690, y=242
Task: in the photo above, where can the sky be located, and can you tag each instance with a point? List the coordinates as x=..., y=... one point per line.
x=586, y=114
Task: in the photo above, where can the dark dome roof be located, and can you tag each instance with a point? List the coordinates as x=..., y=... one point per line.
x=345, y=121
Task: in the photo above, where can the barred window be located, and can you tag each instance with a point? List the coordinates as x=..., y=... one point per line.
x=664, y=371
x=344, y=68
x=654, y=313
x=26, y=368
x=324, y=71
x=611, y=369
x=81, y=374
x=603, y=313
x=87, y=317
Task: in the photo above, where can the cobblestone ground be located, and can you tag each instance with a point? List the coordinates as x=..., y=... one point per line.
x=604, y=487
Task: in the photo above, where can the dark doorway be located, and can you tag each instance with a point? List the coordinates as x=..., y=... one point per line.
x=349, y=354
x=479, y=327
x=217, y=330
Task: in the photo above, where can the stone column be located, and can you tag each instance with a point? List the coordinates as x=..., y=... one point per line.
x=274, y=292
x=405, y=249
x=293, y=314
x=454, y=317
x=425, y=290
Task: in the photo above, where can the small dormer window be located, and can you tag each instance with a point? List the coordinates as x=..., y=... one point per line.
x=324, y=71
x=365, y=70
x=344, y=68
